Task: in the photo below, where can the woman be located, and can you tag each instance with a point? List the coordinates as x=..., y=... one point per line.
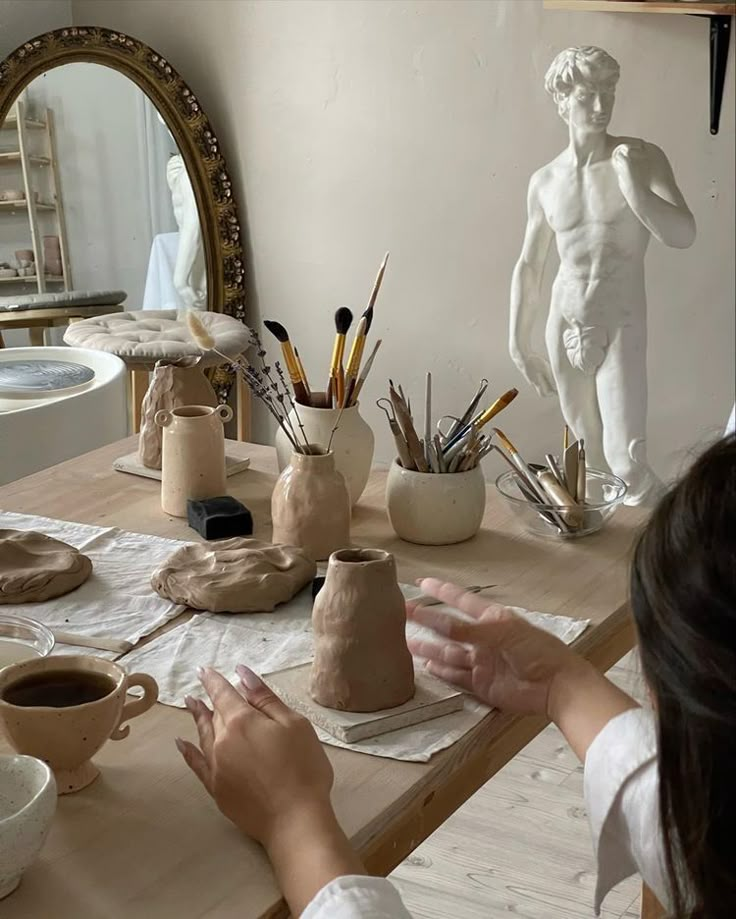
x=670, y=816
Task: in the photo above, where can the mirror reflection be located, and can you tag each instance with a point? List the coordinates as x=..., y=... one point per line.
x=95, y=196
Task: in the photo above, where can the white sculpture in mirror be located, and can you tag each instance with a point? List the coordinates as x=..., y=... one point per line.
x=190, y=276
x=601, y=200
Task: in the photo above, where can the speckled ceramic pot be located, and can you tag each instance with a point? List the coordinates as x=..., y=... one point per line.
x=27, y=805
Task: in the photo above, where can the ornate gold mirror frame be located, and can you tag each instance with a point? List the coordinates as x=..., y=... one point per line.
x=185, y=119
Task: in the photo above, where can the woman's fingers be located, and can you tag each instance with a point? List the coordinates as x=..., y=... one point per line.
x=457, y=676
x=203, y=721
x=454, y=596
x=194, y=758
x=449, y=653
x=443, y=623
x=226, y=701
x=261, y=697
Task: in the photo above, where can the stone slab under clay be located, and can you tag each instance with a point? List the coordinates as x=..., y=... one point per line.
x=238, y=575
x=432, y=699
x=35, y=567
x=132, y=464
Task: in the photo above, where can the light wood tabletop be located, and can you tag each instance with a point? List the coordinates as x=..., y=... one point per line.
x=145, y=840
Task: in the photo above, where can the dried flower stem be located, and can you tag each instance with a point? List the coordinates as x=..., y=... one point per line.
x=280, y=393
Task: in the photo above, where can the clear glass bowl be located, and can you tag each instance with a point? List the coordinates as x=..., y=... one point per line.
x=604, y=492
x=22, y=638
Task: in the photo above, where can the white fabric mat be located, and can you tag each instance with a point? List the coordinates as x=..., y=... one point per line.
x=267, y=642
x=117, y=600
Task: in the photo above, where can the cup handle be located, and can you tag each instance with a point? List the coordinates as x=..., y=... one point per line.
x=136, y=706
x=225, y=413
x=162, y=418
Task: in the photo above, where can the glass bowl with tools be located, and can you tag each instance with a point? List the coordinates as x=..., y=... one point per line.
x=22, y=639
x=562, y=498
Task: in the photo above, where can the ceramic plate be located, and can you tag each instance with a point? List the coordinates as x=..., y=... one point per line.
x=21, y=377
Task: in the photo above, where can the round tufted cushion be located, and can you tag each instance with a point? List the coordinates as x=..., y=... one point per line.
x=146, y=336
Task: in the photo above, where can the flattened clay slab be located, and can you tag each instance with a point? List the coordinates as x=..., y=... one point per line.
x=238, y=575
x=432, y=699
x=34, y=567
x=130, y=463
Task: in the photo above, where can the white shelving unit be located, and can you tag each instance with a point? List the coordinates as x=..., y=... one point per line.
x=31, y=163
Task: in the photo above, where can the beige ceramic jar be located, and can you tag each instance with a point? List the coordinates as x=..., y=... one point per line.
x=193, y=461
x=361, y=660
x=310, y=505
x=435, y=509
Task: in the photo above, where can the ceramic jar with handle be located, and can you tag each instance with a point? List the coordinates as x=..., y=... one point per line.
x=352, y=444
x=193, y=462
x=310, y=506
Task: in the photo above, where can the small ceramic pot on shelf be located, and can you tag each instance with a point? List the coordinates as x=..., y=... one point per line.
x=310, y=505
x=352, y=444
x=193, y=455
x=435, y=509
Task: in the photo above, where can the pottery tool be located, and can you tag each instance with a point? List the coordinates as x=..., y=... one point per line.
x=555, y=469
x=431, y=601
x=565, y=439
x=467, y=415
x=438, y=453
x=403, y=417
x=303, y=373
x=484, y=417
x=368, y=314
x=93, y=641
x=292, y=366
x=402, y=447
x=570, y=512
x=428, y=418
x=570, y=465
x=343, y=320
x=582, y=474
x=355, y=390
x=356, y=355
x=528, y=475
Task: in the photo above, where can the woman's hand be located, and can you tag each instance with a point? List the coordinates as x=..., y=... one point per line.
x=260, y=761
x=498, y=657
x=512, y=665
x=267, y=772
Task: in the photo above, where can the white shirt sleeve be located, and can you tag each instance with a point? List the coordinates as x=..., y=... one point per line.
x=622, y=800
x=357, y=897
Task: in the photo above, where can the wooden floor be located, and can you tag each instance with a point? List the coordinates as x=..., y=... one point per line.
x=521, y=846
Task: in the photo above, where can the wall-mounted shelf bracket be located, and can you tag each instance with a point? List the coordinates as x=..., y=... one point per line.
x=720, y=37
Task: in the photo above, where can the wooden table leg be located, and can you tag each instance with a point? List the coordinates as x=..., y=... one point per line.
x=138, y=387
x=650, y=905
x=35, y=333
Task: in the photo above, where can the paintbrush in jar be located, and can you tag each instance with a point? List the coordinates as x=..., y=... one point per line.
x=368, y=314
x=359, y=383
x=355, y=357
x=483, y=418
x=292, y=365
x=463, y=421
x=336, y=381
x=303, y=373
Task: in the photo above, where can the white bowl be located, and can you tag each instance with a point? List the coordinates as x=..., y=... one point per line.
x=27, y=806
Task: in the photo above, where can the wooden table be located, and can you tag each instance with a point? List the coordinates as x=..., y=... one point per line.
x=36, y=320
x=145, y=840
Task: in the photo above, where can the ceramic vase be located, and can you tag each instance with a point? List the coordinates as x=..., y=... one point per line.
x=310, y=506
x=173, y=383
x=434, y=509
x=193, y=460
x=361, y=660
x=352, y=444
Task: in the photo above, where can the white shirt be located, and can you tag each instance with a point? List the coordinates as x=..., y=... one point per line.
x=621, y=796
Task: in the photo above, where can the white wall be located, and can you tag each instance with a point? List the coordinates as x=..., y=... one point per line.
x=355, y=127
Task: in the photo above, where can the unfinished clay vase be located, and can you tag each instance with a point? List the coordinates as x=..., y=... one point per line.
x=310, y=505
x=173, y=383
x=361, y=661
x=193, y=464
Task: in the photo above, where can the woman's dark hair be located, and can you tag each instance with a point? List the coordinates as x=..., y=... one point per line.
x=683, y=595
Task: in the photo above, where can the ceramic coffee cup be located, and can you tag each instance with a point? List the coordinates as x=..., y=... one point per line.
x=88, y=705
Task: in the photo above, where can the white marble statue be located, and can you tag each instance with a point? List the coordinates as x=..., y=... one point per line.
x=190, y=275
x=601, y=200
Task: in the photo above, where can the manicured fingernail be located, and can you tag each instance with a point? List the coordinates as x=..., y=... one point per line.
x=249, y=679
x=180, y=745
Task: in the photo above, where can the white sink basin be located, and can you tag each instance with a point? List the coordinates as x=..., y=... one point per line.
x=42, y=429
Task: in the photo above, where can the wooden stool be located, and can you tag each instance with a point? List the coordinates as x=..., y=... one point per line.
x=36, y=320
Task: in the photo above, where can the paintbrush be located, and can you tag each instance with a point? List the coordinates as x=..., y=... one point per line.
x=355, y=390
x=529, y=476
x=356, y=355
x=343, y=320
x=303, y=373
x=463, y=421
x=292, y=365
x=484, y=417
x=368, y=314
